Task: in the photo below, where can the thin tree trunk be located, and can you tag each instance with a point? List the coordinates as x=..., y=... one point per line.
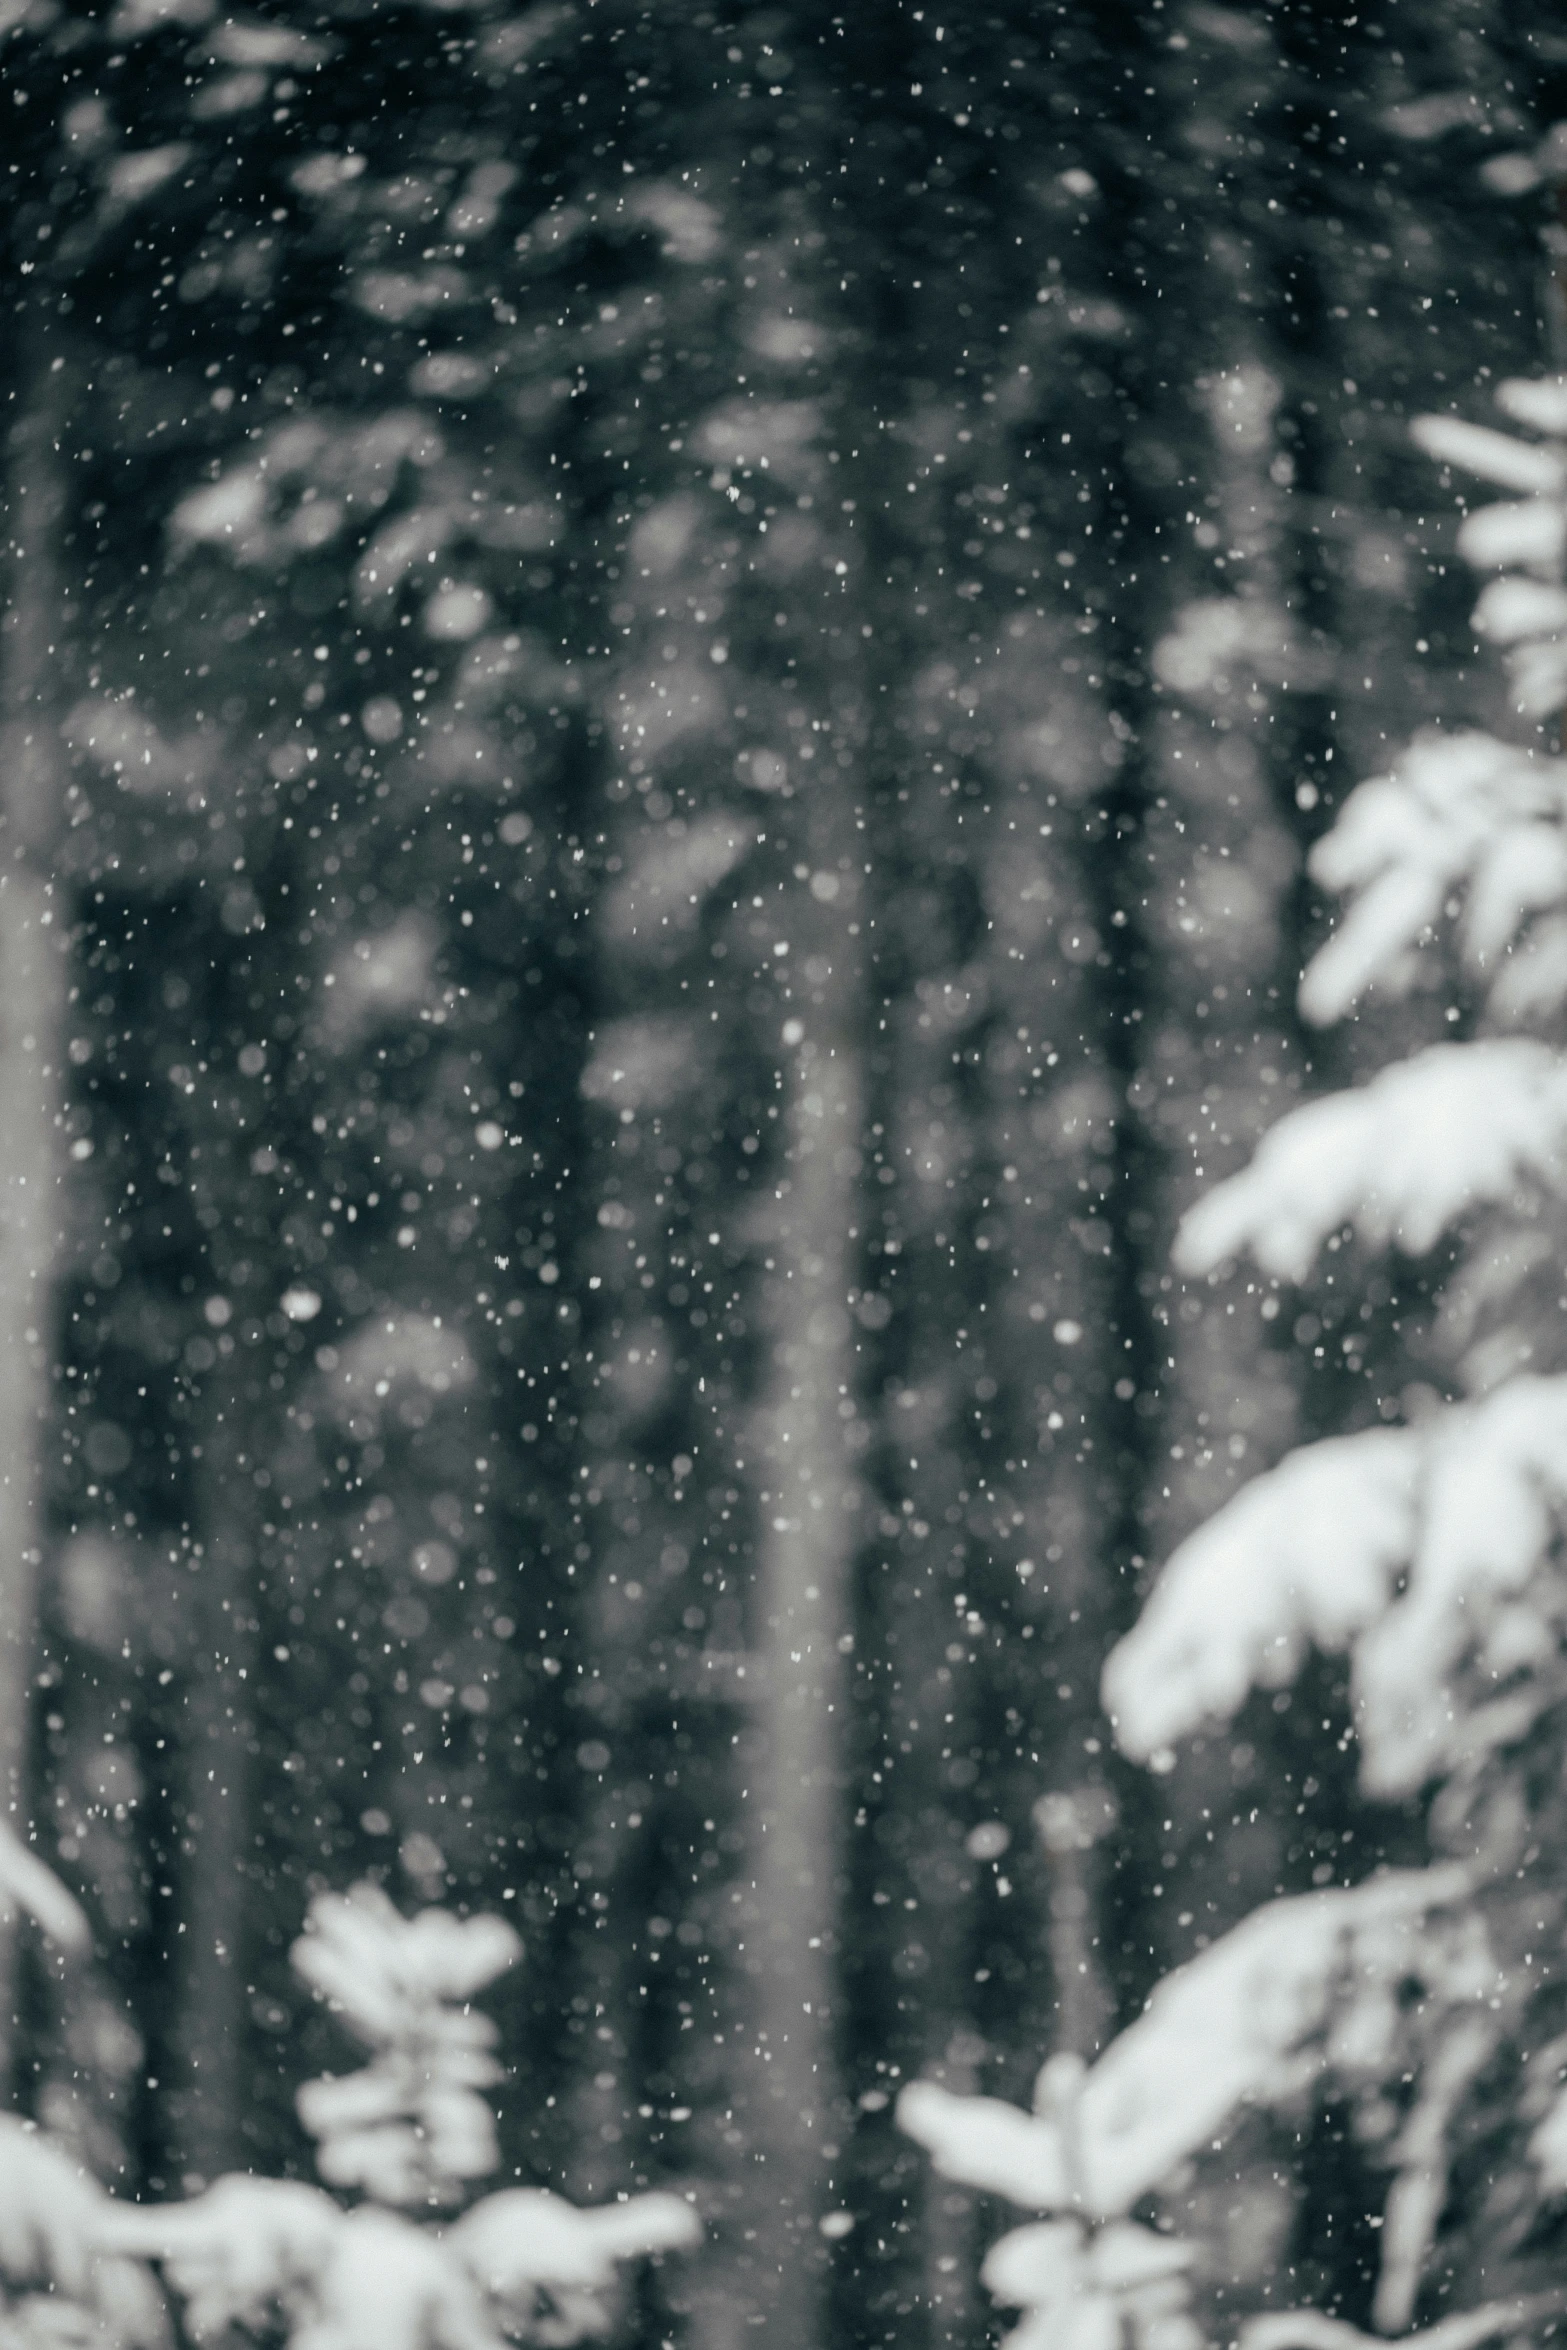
x=1223, y=1063
x=33, y=934
x=208, y=2105
x=234, y=1429
x=811, y=1515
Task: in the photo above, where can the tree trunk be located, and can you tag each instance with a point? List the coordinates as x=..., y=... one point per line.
x=208, y=2105
x=810, y=1527
x=211, y=2013
x=33, y=934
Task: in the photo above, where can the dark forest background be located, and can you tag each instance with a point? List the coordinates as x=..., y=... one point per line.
x=666, y=677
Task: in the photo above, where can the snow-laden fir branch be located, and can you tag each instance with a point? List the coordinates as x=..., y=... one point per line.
x=1302, y=1986
x=1401, y=1159
x=1423, y=1552
x=1460, y=812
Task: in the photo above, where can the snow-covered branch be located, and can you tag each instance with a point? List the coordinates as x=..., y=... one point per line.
x=1301, y=1986
x=1401, y=1159
x=1414, y=1549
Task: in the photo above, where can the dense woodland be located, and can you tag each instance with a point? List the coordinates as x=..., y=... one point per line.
x=667, y=678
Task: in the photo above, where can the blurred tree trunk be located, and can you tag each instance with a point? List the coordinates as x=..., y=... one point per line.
x=207, y=2108
x=1225, y=1057
x=234, y=1433
x=33, y=935
x=810, y=1522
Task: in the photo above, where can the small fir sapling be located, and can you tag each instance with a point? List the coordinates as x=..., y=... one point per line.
x=408, y=2134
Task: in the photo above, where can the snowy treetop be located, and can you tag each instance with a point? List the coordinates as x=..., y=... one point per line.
x=411, y=2126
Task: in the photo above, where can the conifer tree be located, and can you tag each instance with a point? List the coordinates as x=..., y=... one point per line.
x=1421, y=1999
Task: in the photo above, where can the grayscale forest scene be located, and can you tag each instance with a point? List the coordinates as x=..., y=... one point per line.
x=783, y=1174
